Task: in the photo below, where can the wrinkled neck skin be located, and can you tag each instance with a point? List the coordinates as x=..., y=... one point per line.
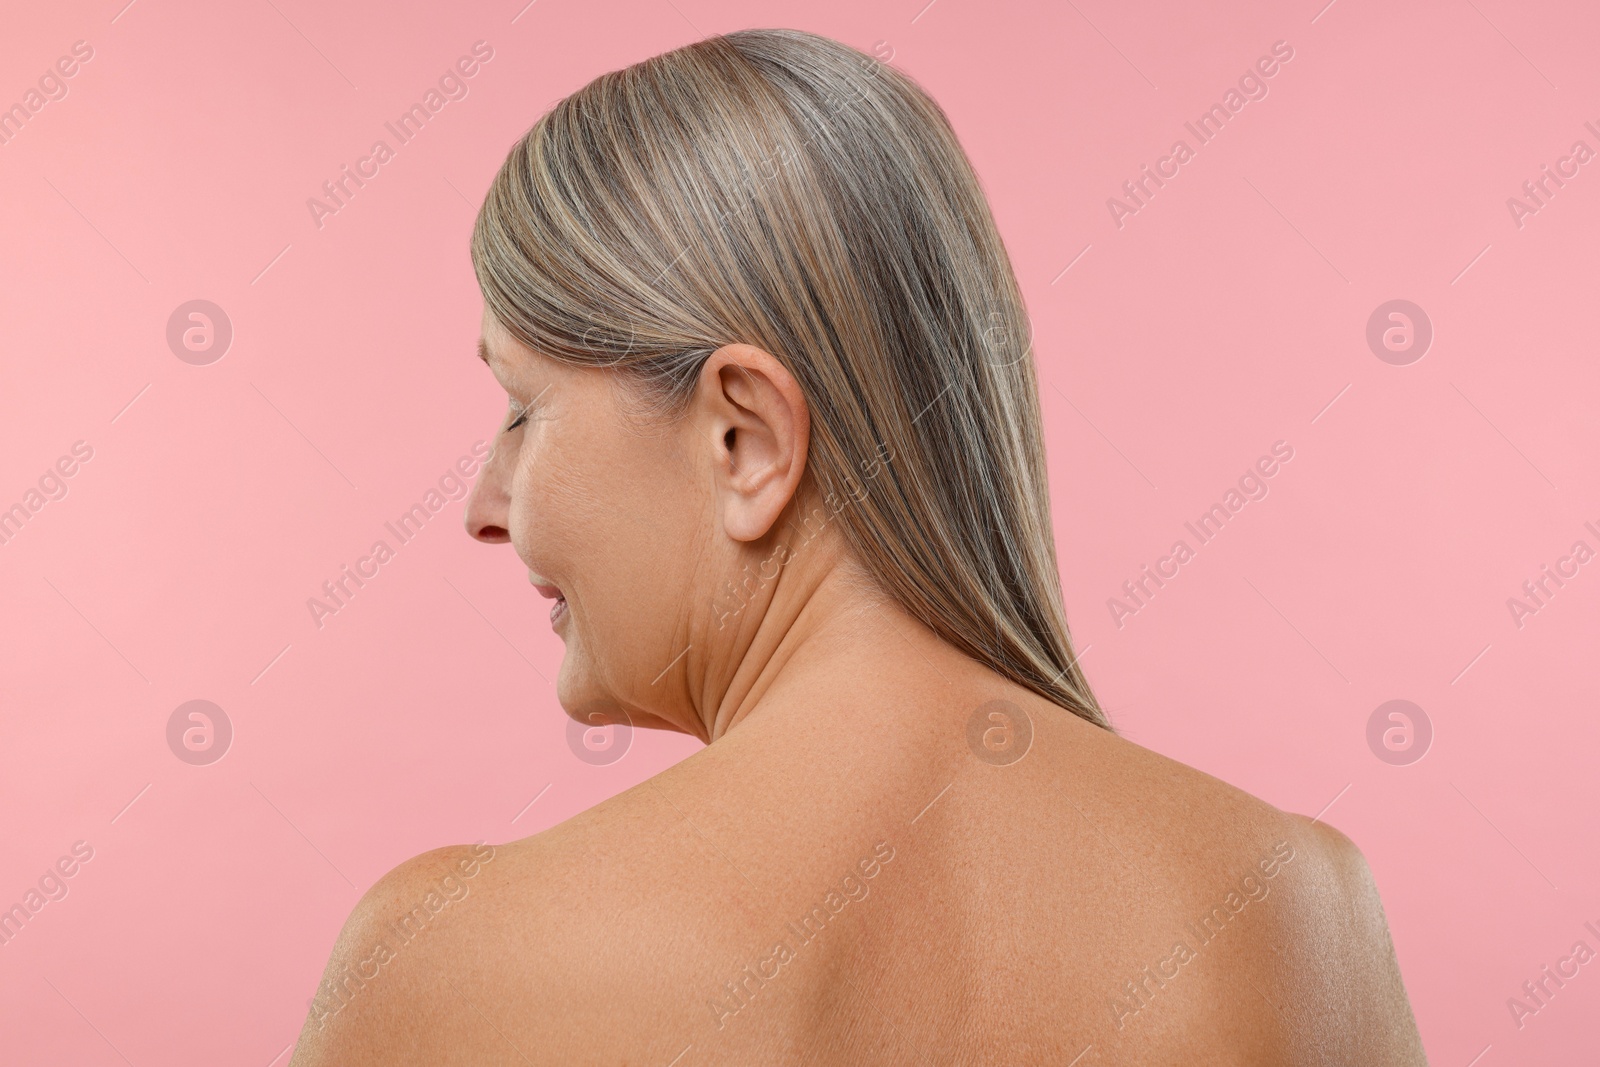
x=800, y=637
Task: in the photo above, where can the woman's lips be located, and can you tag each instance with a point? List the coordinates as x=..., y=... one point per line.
x=558, y=610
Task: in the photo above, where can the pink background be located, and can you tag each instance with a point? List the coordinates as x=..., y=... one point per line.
x=1224, y=316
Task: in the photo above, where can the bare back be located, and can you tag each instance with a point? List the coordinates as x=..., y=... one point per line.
x=1091, y=902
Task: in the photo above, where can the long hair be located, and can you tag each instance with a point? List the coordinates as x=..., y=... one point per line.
x=777, y=188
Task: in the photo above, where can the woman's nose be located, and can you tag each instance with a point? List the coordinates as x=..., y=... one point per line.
x=488, y=503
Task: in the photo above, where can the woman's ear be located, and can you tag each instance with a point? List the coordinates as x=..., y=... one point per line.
x=758, y=427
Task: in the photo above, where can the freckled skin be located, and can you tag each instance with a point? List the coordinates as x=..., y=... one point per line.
x=722, y=912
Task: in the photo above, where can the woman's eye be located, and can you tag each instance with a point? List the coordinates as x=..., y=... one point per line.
x=522, y=417
x=523, y=411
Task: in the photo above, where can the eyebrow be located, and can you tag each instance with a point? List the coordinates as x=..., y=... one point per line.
x=483, y=350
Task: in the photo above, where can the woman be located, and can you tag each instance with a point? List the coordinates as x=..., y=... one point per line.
x=775, y=454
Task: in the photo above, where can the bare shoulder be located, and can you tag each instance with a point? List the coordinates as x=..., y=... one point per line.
x=1341, y=991
x=383, y=982
x=1282, y=910
x=1318, y=966
x=480, y=954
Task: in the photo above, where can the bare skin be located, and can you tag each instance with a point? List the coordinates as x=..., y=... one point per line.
x=841, y=876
